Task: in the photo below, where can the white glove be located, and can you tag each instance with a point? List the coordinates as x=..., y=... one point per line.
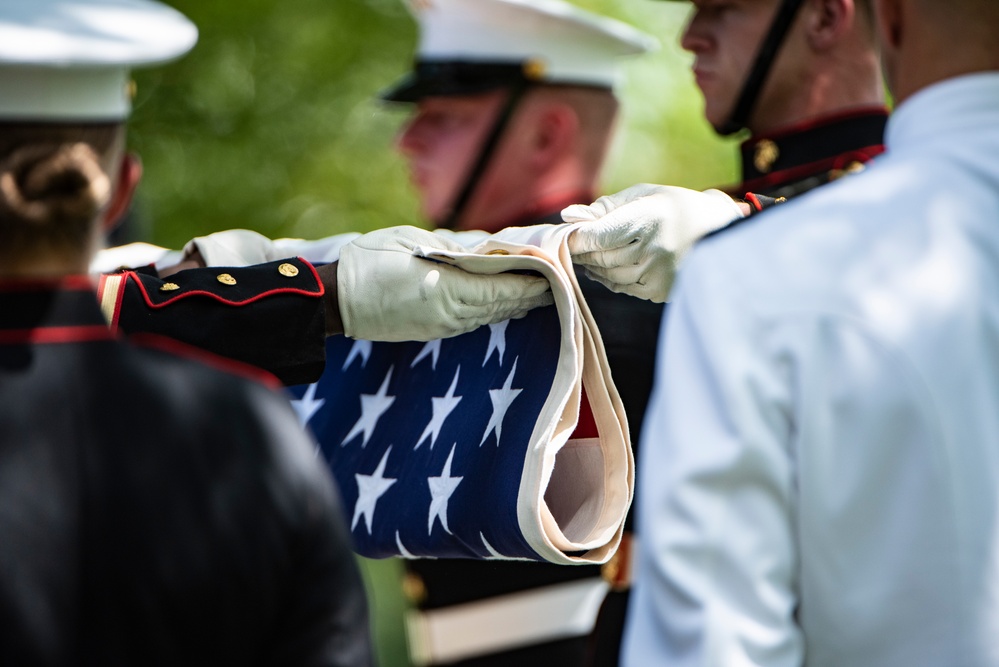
x=636, y=238
x=389, y=292
x=233, y=247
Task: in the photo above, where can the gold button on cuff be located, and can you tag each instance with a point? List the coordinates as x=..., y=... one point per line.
x=169, y=287
x=226, y=279
x=288, y=270
x=498, y=251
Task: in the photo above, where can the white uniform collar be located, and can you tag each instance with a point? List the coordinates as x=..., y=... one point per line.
x=959, y=106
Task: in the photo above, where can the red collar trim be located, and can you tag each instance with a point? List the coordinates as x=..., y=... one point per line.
x=794, y=174
x=179, y=349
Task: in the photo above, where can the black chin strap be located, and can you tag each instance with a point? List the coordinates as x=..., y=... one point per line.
x=516, y=94
x=761, y=67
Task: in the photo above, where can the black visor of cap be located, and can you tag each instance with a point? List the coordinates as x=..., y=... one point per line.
x=454, y=77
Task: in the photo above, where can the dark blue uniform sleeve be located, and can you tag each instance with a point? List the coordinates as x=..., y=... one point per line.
x=271, y=316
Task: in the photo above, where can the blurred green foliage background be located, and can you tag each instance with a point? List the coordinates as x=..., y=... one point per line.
x=272, y=123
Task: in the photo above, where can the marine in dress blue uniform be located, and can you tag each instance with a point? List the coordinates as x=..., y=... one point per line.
x=837, y=132
x=466, y=49
x=154, y=510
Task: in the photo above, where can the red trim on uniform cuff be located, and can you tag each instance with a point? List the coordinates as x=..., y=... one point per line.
x=119, y=299
x=315, y=274
x=121, y=280
x=754, y=202
x=211, y=295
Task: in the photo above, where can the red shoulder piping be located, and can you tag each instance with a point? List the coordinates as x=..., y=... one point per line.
x=54, y=335
x=179, y=349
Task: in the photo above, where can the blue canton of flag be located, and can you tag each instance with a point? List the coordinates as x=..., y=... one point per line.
x=427, y=441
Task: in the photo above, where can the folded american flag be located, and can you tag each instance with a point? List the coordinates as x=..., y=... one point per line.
x=507, y=442
x=428, y=440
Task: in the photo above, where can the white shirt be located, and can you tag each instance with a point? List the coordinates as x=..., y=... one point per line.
x=819, y=477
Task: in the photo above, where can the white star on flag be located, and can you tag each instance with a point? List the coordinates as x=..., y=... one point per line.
x=307, y=406
x=439, y=407
x=369, y=489
x=433, y=349
x=360, y=348
x=442, y=407
x=441, y=489
x=497, y=340
x=373, y=406
x=501, y=400
x=403, y=551
x=495, y=555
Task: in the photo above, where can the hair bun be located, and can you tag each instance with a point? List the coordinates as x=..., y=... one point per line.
x=47, y=184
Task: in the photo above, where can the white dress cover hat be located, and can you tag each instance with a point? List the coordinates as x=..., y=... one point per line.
x=471, y=46
x=69, y=60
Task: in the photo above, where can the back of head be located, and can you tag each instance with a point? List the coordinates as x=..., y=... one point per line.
x=54, y=181
x=924, y=42
x=969, y=25
x=64, y=98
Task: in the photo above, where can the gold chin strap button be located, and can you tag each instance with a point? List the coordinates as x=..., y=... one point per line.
x=288, y=270
x=169, y=287
x=766, y=154
x=534, y=70
x=226, y=279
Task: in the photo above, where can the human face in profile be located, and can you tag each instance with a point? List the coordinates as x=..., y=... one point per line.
x=440, y=141
x=724, y=37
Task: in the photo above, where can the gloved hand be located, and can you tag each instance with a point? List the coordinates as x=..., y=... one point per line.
x=637, y=237
x=388, y=292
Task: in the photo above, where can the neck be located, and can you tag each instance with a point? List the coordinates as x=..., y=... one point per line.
x=47, y=263
x=43, y=269
x=841, y=86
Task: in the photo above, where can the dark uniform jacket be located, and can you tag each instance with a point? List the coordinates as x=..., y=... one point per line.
x=155, y=511
x=271, y=316
x=794, y=160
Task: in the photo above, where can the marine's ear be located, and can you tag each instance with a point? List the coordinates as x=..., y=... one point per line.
x=556, y=132
x=129, y=175
x=829, y=22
